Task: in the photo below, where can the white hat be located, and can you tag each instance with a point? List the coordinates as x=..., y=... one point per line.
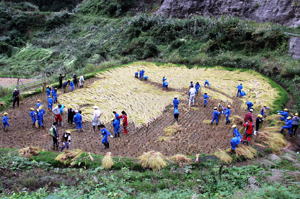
x=251, y=110
x=96, y=107
x=76, y=111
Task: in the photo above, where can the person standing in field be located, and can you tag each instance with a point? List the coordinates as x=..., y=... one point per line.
x=116, y=125
x=239, y=90
x=227, y=113
x=50, y=103
x=206, y=83
x=54, y=94
x=71, y=113
x=38, y=104
x=54, y=134
x=215, y=116
x=295, y=124
x=81, y=81
x=176, y=114
x=105, y=133
x=48, y=91
x=96, y=118
x=249, y=132
x=192, y=94
x=33, y=116
x=57, y=115
x=72, y=86
x=16, y=97
x=248, y=116
x=249, y=105
x=60, y=80
x=258, y=122
x=197, y=87
x=66, y=140
x=78, y=120
x=176, y=102
x=5, y=121
x=75, y=80
x=205, y=98
x=64, y=85
x=40, y=116
x=124, y=122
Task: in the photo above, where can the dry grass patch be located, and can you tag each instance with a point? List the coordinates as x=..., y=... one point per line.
x=245, y=151
x=69, y=157
x=153, y=160
x=172, y=130
x=180, y=159
x=223, y=156
x=28, y=152
x=275, y=141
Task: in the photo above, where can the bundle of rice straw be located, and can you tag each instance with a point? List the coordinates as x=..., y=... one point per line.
x=164, y=138
x=171, y=130
x=180, y=159
x=153, y=160
x=68, y=157
x=245, y=151
x=237, y=120
x=223, y=156
x=28, y=152
x=275, y=141
x=206, y=121
x=107, y=161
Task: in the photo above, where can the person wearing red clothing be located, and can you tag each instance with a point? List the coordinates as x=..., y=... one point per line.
x=125, y=121
x=248, y=116
x=249, y=131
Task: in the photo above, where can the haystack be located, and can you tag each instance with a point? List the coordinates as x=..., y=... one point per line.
x=153, y=160
x=237, y=120
x=245, y=151
x=223, y=156
x=107, y=161
x=275, y=141
x=68, y=157
x=28, y=152
x=180, y=159
x=173, y=129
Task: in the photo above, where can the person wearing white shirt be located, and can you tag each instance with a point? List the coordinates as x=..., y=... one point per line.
x=192, y=94
x=96, y=118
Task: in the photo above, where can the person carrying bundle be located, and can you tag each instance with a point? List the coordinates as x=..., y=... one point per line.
x=33, y=116
x=215, y=116
x=105, y=133
x=5, y=121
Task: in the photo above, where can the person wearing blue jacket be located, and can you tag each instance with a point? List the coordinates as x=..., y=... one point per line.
x=116, y=125
x=48, y=91
x=40, y=117
x=72, y=86
x=206, y=83
x=205, y=97
x=164, y=79
x=197, y=87
x=284, y=114
x=5, y=121
x=176, y=102
x=33, y=116
x=50, y=103
x=234, y=142
x=227, y=113
x=235, y=131
x=165, y=85
x=142, y=73
x=249, y=105
x=105, y=133
x=136, y=74
x=54, y=95
x=239, y=90
x=78, y=120
x=288, y=125
x=38, y=104
x=215, y=116
x=176, y=114
x=263, y=110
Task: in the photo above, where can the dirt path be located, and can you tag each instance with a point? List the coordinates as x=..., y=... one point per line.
x=195, y=137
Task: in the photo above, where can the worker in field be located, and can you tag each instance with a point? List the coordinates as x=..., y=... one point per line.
x=288, y=125
x=60, y=80
x=40, y=116
x=48, y=91
x=81, y=81
x=248, y=116
x=249, y=132
x=164, y=79
x=57, y=114
x=16, y=97
x=239, y=90
x=235, y=131
x=176, y=114
x=72, y=86
x=5, y=121
x=192, y=95
x=263, y=110
x=75, y=80
x=96, y=118
x=197, y=87
x=38, y=104
x=176, y=102
x=50, y=103
x=142, y=73
x=105, y=133
x=136, y=74
x=165, y=85
x=206, y=83
x=227, y=113
x=33, y=116
x=234, y=142
x=191, y=84
x=249, y=105
x=124, y=122
x=65, y=85
x=54, y=134
x=205, y=98
x=54, y=95
x=66, y=140
x=78, y=120
x=116, y=126
x=71, y=113
x=258, y=122
x=285, y=113
x=295, y=123
x=215, y=116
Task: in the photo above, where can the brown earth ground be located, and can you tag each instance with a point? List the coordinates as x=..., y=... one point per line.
x=12, y=82
x=195, y=137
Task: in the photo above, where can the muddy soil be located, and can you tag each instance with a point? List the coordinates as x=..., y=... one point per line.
x=12, y=82
x=195, y=137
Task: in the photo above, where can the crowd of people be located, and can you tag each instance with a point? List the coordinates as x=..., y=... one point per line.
x=74, y=116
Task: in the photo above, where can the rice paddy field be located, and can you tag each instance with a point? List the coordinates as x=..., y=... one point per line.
x=149, y=109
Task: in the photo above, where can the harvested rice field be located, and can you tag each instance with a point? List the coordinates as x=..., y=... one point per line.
x=149, y=109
